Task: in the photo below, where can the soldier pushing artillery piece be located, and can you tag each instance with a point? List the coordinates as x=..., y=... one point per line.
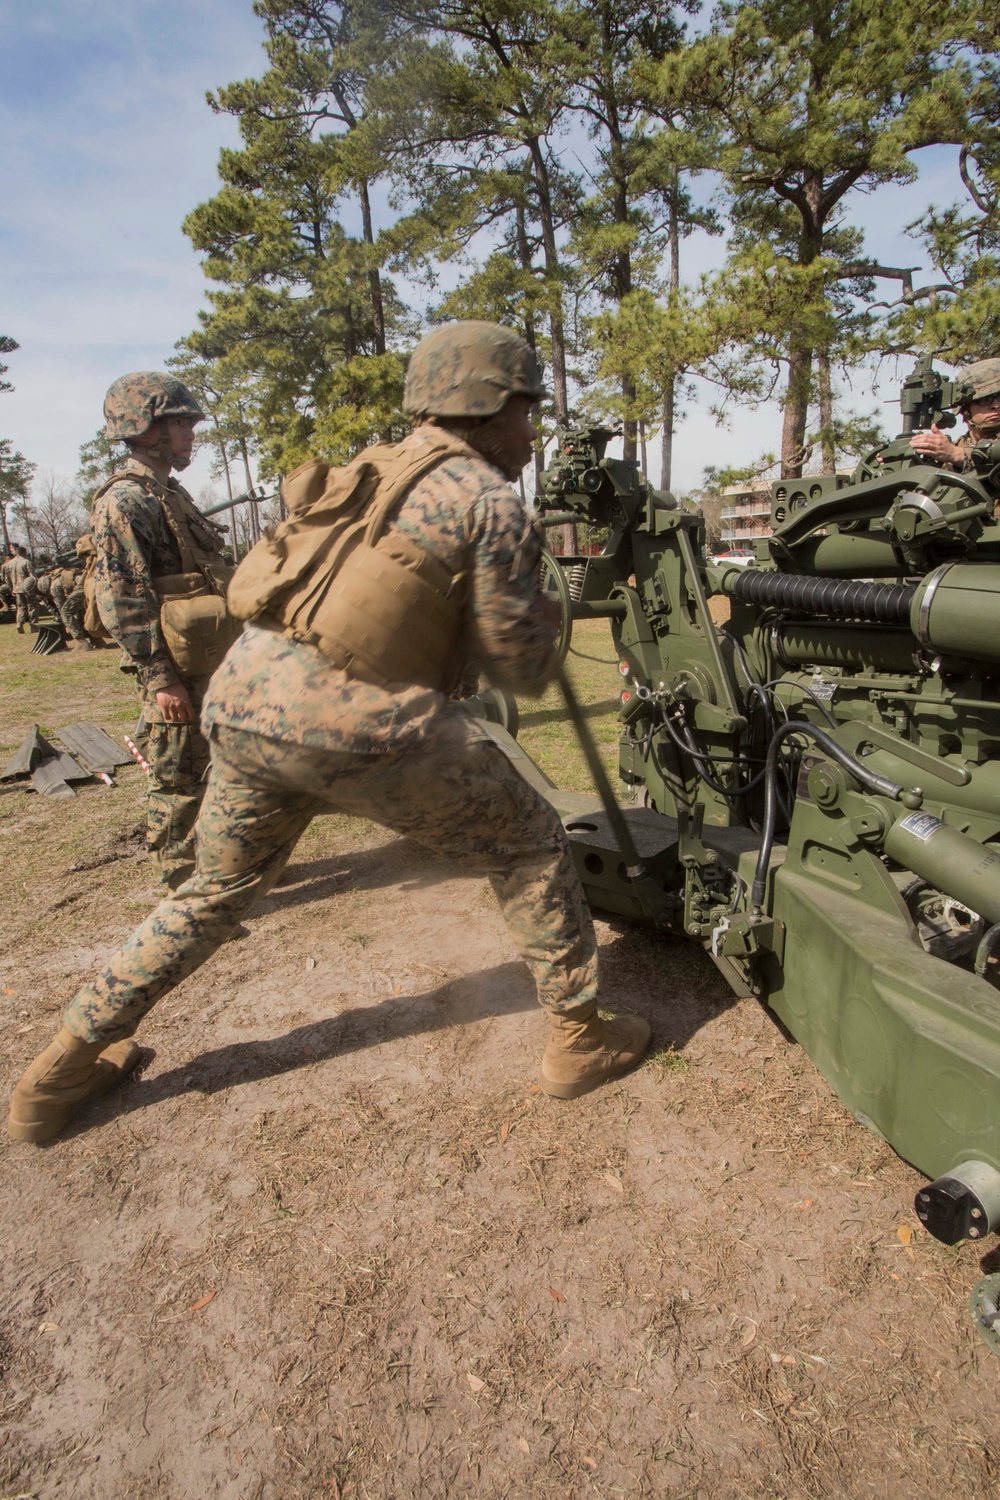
x=338, y=698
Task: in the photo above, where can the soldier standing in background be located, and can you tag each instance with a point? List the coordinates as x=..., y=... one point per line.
x=7, y=600
x=319, y=716
x=979, y=447
x=22, y=581
x=157, y=556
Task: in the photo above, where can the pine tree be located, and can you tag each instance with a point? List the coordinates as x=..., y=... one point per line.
x=473, y=131
x=305, y=319
x=15, y=480
x=7, y=346
x=810, y=101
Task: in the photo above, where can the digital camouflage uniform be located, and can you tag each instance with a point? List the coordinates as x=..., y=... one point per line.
x=292, y=735
x=22, y=581
x=135, y=545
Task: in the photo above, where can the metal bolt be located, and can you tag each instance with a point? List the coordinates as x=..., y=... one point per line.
x=977, y=1213
x=924, y=1197
x=973, y=1234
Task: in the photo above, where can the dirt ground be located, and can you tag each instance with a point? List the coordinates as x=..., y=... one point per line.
x=333, y=1241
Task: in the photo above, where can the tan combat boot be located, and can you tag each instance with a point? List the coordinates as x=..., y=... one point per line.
x=62, y=1079
x=585, y=1051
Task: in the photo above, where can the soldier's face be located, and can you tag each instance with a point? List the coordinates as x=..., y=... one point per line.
x=517, y=432
x=984, y=413
x=180, y=436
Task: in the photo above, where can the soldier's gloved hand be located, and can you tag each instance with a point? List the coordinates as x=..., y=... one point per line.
x=934, y=444
x=175, y=704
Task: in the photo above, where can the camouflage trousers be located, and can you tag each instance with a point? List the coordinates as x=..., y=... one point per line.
x=178, y=759
x=458, y=795
x=27, y=606
x=71, y=606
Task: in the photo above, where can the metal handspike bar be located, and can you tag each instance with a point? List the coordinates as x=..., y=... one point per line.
x=651, y=898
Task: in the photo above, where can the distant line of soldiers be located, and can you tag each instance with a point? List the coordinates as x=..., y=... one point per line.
x=21, y=589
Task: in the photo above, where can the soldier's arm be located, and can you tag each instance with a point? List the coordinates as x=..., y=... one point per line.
x=126, y=597
x=513, y=627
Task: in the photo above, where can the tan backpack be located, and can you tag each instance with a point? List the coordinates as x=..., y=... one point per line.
x=395, y=612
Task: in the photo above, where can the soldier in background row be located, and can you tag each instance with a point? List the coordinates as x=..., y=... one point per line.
x=156, y=556
x=21, y=579
x=336, y=698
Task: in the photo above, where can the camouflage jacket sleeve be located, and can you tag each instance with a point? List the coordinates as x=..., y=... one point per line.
x=512, y=637
x=128, y=537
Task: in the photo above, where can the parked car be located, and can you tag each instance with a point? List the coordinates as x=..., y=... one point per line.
x=741, y=556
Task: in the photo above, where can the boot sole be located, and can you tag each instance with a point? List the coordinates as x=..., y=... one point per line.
x=577, y=1087
x=36, y=1132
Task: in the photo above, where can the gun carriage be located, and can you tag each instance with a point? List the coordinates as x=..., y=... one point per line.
x=817, y=780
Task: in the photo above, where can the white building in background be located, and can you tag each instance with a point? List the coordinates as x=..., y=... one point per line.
x=747, y=516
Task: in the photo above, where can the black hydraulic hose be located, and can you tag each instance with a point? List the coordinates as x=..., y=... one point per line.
x=870, y=780
x=687, y=744
x=876, y=603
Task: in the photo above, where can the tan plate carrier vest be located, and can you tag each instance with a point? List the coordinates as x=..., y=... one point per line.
x=197, y=627
x=379, y=606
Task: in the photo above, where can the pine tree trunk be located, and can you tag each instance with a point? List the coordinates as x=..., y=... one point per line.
x=374, y=279
x=793, y=429
x=3, y=528
x=557, y=332
x=826, y=411
x=667, y=434
x=668, y=405
x=629, y=426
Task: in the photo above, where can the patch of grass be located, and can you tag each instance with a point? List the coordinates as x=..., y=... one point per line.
x=671, y=1061
x=545, y=733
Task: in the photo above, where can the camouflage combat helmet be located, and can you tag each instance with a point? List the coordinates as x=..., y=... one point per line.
x=469, y=369
x=134, y=402
x=979, y=380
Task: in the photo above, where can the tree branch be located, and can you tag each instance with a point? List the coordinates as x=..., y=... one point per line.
x=970, y=187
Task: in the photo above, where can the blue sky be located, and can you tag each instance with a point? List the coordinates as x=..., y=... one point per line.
x=107, y=143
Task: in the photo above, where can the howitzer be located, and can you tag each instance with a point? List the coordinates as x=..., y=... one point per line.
x=817, y=780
